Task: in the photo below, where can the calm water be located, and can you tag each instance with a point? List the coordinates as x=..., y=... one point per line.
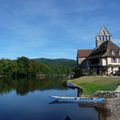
x=29, y=100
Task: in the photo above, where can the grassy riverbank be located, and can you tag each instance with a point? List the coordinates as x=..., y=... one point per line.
x=91, y=84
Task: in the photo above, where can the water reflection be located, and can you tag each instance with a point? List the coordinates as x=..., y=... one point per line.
x=35, y=105
x=111, y=110
x=108, y=111
x=67, y=118
x=102, y=113
x=24, y=86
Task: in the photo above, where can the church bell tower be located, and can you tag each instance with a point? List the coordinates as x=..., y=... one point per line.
x=102, y=36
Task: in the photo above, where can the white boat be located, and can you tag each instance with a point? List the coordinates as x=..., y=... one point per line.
x=78, y=99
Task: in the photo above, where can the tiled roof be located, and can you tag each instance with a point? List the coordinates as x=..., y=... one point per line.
x=83, y=53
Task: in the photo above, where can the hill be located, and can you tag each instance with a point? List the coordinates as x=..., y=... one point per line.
x=60, y=66
x=61, y=61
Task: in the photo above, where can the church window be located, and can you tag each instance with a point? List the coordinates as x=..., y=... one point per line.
x=103, y=32
x=102, y=37
x=99, y=37
x=106, y=37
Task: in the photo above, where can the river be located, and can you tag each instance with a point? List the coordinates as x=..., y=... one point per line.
x=30, y=100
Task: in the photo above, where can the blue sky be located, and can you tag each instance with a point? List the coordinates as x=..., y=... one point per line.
x=54, y=28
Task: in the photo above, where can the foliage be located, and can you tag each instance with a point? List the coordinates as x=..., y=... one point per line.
x=25, y=67
x=93, y=72
x=78, y=72
x=104, y=70
x=24, y=86
x=58, y=66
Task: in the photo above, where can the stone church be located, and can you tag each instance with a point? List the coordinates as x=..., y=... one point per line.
x=104, y=58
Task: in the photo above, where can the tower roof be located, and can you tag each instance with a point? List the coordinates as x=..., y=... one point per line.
x=103, y=35
x=101, y=32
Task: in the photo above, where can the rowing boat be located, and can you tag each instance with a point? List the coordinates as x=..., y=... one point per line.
x=78, y=99
x=72, y=86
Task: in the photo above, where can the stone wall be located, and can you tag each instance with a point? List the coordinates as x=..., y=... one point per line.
x=111, y=110
x=107, y=94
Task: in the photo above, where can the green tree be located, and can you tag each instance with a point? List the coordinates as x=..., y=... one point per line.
x=23, y=66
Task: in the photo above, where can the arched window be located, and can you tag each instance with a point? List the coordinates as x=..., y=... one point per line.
x=102, y=37
x=105, y=37
x=99, y=37
x=103, y=32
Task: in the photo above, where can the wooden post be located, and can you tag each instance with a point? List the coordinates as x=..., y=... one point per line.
x=79, y=92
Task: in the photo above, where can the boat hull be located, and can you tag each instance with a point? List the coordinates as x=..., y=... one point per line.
x=72, y=86
x=78, y=99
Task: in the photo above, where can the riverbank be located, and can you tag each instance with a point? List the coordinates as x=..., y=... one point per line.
x=91, y=84
x=111, y=110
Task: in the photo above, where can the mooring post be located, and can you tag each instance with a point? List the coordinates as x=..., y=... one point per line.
x=79, y=92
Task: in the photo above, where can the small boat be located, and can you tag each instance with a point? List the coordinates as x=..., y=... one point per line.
x=78, y=99
x=72, y=86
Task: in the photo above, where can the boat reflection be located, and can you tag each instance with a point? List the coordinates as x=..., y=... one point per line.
x=107, y=111
x=67, y=118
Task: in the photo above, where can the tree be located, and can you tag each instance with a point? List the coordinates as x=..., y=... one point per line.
x=23, y=66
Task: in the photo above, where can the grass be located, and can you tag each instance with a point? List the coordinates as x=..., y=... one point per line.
x=92, y=84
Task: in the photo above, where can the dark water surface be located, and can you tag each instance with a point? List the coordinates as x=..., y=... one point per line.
x=29, y=100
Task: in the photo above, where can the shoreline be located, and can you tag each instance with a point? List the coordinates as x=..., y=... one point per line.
x=92, y=84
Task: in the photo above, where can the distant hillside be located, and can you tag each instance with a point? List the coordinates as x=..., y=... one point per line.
x=59, y=66
x=61, y=62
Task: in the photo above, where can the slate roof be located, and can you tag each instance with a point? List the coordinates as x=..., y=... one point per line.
x=105, y=50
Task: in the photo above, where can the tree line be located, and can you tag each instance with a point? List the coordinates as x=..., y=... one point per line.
x=25, y=67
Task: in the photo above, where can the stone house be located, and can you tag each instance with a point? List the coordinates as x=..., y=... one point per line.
x=105, y=57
